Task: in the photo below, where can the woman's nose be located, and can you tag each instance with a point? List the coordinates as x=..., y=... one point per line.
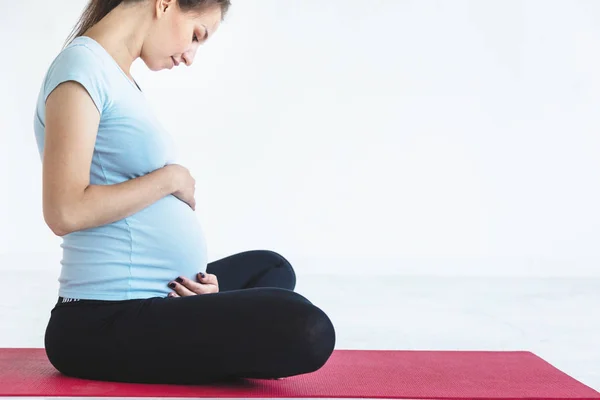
x=188, y=57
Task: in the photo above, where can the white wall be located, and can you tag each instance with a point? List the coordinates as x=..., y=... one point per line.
x=384, y=136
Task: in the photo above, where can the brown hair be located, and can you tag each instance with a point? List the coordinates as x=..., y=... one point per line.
x=98, y=9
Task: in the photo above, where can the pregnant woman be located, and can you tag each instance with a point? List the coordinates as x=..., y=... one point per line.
x=138, y=301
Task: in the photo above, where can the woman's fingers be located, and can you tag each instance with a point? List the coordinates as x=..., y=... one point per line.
x=208, y=279
x=186, y=287
x=180, y=287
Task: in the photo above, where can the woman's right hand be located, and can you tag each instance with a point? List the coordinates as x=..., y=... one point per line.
x=182, y=286
x=184, y=183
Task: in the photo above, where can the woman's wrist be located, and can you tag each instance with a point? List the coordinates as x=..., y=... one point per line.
x=170, y=178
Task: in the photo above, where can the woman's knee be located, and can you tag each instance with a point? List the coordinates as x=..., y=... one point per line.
x=316, y=339
x=281, y=262
x=308, y=331
x=323, y=339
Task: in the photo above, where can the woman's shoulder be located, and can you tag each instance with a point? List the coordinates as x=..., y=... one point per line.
x=79, y=61
x=77, y=55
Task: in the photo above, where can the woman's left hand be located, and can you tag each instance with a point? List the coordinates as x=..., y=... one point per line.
x=183, y=286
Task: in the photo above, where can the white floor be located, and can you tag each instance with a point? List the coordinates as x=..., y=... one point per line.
x=556, y=318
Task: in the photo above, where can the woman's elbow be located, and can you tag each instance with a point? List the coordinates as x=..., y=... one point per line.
x=59, y=223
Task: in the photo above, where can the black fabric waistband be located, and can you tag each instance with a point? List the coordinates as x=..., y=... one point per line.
x=63, y=301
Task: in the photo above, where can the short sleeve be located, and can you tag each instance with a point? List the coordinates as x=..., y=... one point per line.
x=78, y=63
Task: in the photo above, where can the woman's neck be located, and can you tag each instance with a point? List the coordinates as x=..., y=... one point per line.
x=122, y=33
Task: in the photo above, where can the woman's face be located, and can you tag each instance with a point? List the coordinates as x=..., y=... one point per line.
x=175, y=35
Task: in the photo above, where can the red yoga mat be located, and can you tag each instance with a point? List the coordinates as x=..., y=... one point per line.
x=348, y=374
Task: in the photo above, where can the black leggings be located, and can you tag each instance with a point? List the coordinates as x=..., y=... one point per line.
x=255, y=327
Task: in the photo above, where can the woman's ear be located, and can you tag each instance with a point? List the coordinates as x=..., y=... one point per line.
x=162, y=6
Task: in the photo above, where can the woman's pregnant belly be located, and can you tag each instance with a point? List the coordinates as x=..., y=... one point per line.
x=136, y=257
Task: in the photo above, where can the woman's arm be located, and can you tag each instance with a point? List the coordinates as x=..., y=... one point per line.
x=70, y=203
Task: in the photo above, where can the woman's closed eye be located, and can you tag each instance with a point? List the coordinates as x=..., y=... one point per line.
x=197, y=39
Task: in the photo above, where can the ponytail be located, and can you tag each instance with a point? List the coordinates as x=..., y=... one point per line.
x=98, y=9
x=93, y=13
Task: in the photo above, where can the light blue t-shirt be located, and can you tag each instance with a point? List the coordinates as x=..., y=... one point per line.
x=138, y=256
